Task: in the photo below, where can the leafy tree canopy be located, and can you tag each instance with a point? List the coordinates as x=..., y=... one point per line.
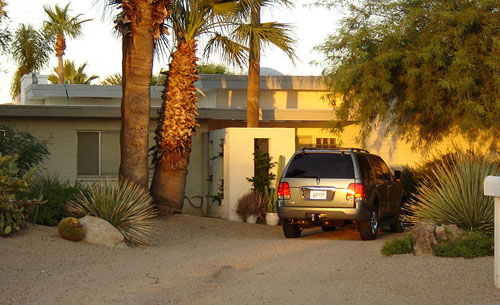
x=427, y=68
x=209, y=68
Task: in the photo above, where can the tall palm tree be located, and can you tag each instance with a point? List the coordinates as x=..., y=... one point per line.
x=273, y=33
x=60, y=25
x=141, y=25
x=177, y=121
x=73, y=75
x=31, y=51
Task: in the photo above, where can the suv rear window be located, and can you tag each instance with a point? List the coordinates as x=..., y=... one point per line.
x=321, y=165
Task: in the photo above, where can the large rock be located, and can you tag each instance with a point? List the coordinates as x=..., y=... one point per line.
x=100, y=232
x=448, y=232
x=424, y=239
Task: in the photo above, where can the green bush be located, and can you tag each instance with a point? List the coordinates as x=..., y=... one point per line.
x=14, y=203
x=453, y=193
x=31, y=151
x=262, y=172
x=56, y=194
x=469, y=245
x=396, y=245
x=126, y=206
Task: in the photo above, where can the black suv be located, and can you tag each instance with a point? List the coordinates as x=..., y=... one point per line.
x=336, y=187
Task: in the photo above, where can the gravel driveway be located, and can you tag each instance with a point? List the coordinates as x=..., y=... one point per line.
x=213, y=261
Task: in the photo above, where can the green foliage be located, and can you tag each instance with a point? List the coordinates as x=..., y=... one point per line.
x=30, y=151
x=396, y=245
x=112, y=80
x=14, y=207
x=453, y=192
x=262, y=176
x=469, y=245
x=70, y=228
x=55, y=194
x=208, y=68
x=30, y=50
x=271, y=194
x=427, y=67
x=126, y=206
x=251, y=203
x=73, y=75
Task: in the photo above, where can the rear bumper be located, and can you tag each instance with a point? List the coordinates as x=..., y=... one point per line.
x=360, y=213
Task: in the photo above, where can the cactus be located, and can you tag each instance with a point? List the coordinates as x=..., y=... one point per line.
x=70, y=228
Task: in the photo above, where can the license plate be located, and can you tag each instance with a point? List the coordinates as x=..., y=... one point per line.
x=317, y=195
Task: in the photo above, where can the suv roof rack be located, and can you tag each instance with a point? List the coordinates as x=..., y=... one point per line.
x=351, y=149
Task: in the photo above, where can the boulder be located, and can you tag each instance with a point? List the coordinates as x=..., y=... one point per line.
x=424, y=239
x=448, y=232
x=100, y=232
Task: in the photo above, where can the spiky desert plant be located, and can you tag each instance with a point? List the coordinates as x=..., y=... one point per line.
x=128, y=207
x=70, y=228
x=453, y=193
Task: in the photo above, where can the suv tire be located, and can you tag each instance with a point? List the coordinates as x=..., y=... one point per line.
x=397, y=226
x=291, y=230
x=368, y=229
x=328, y=228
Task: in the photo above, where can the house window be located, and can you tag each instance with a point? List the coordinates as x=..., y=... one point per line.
x=326, y=143
x=98, y=153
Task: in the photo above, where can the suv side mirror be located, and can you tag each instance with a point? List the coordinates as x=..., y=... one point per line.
x=397, y=175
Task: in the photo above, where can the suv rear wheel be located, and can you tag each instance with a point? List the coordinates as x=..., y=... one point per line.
x=291, y=230
x=368, y=229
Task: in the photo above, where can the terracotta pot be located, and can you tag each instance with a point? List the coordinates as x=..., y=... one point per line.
x=272, y=219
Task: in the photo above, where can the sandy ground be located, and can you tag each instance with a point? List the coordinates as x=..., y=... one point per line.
x=213, y=261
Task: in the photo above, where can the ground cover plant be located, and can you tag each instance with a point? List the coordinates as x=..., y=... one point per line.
x=469, y=245
x=403, y=245
x=55, y=193
x=128, y=207
x=452, y=192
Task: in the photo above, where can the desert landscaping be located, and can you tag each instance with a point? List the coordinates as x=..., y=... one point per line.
x=212, y=261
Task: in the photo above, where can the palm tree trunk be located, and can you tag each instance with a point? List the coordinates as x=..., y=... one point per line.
x=176, y=126
x=60, y=48
x=137, y=64
x=253, y=74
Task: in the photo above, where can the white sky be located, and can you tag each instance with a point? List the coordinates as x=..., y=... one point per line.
x=102, y=50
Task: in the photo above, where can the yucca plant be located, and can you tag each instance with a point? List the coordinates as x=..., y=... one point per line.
x=128, y=207
x=453, y=193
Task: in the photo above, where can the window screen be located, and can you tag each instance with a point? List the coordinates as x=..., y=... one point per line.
x=110, y=153
x=321, y=165
x=326, y=143
x=88, y=153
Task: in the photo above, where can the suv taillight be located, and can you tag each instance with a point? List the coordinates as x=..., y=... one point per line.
x=283, y=190
x=355, y=190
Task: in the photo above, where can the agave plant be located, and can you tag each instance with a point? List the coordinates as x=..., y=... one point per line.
x=128, y=207
x=453, y=193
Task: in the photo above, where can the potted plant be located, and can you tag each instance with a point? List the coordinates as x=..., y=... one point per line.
x=251, y=207
x=271, y=196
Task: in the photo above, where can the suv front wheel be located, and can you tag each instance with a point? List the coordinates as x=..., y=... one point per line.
x=291, y=230
x=368, y=229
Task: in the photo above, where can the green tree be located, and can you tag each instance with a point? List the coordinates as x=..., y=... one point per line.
x=427, y=67
x=31, y=51
x=72, y=75
x=59, y=26
x=5, y=35
x=209, y=68
x=190, y=19
x=141, y=24
x=116, y=80
x=277, y=34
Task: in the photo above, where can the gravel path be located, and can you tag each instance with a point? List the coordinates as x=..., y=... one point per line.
x=213, y=261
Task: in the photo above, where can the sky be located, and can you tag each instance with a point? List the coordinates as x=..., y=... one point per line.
x=101, y=49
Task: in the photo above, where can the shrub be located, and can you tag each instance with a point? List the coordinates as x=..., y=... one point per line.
x=252, y=203
x=56, y=194
x=396, y=245
x=31, y=151
x=70, y=228
x=14, y=205
x=453, y=193
x=262, y=176
x=126, y=206
x=469, y=245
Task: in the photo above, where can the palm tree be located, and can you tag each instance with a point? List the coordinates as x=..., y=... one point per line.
x=177, y=121
x=60, y=25
x=31, y=51
x=5, y=35
x=73, y=75
x=273, y=33
x=141, y=24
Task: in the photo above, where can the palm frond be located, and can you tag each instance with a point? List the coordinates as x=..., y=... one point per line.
x=230, y=50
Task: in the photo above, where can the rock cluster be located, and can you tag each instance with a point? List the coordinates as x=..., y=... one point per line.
x=427, y=235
